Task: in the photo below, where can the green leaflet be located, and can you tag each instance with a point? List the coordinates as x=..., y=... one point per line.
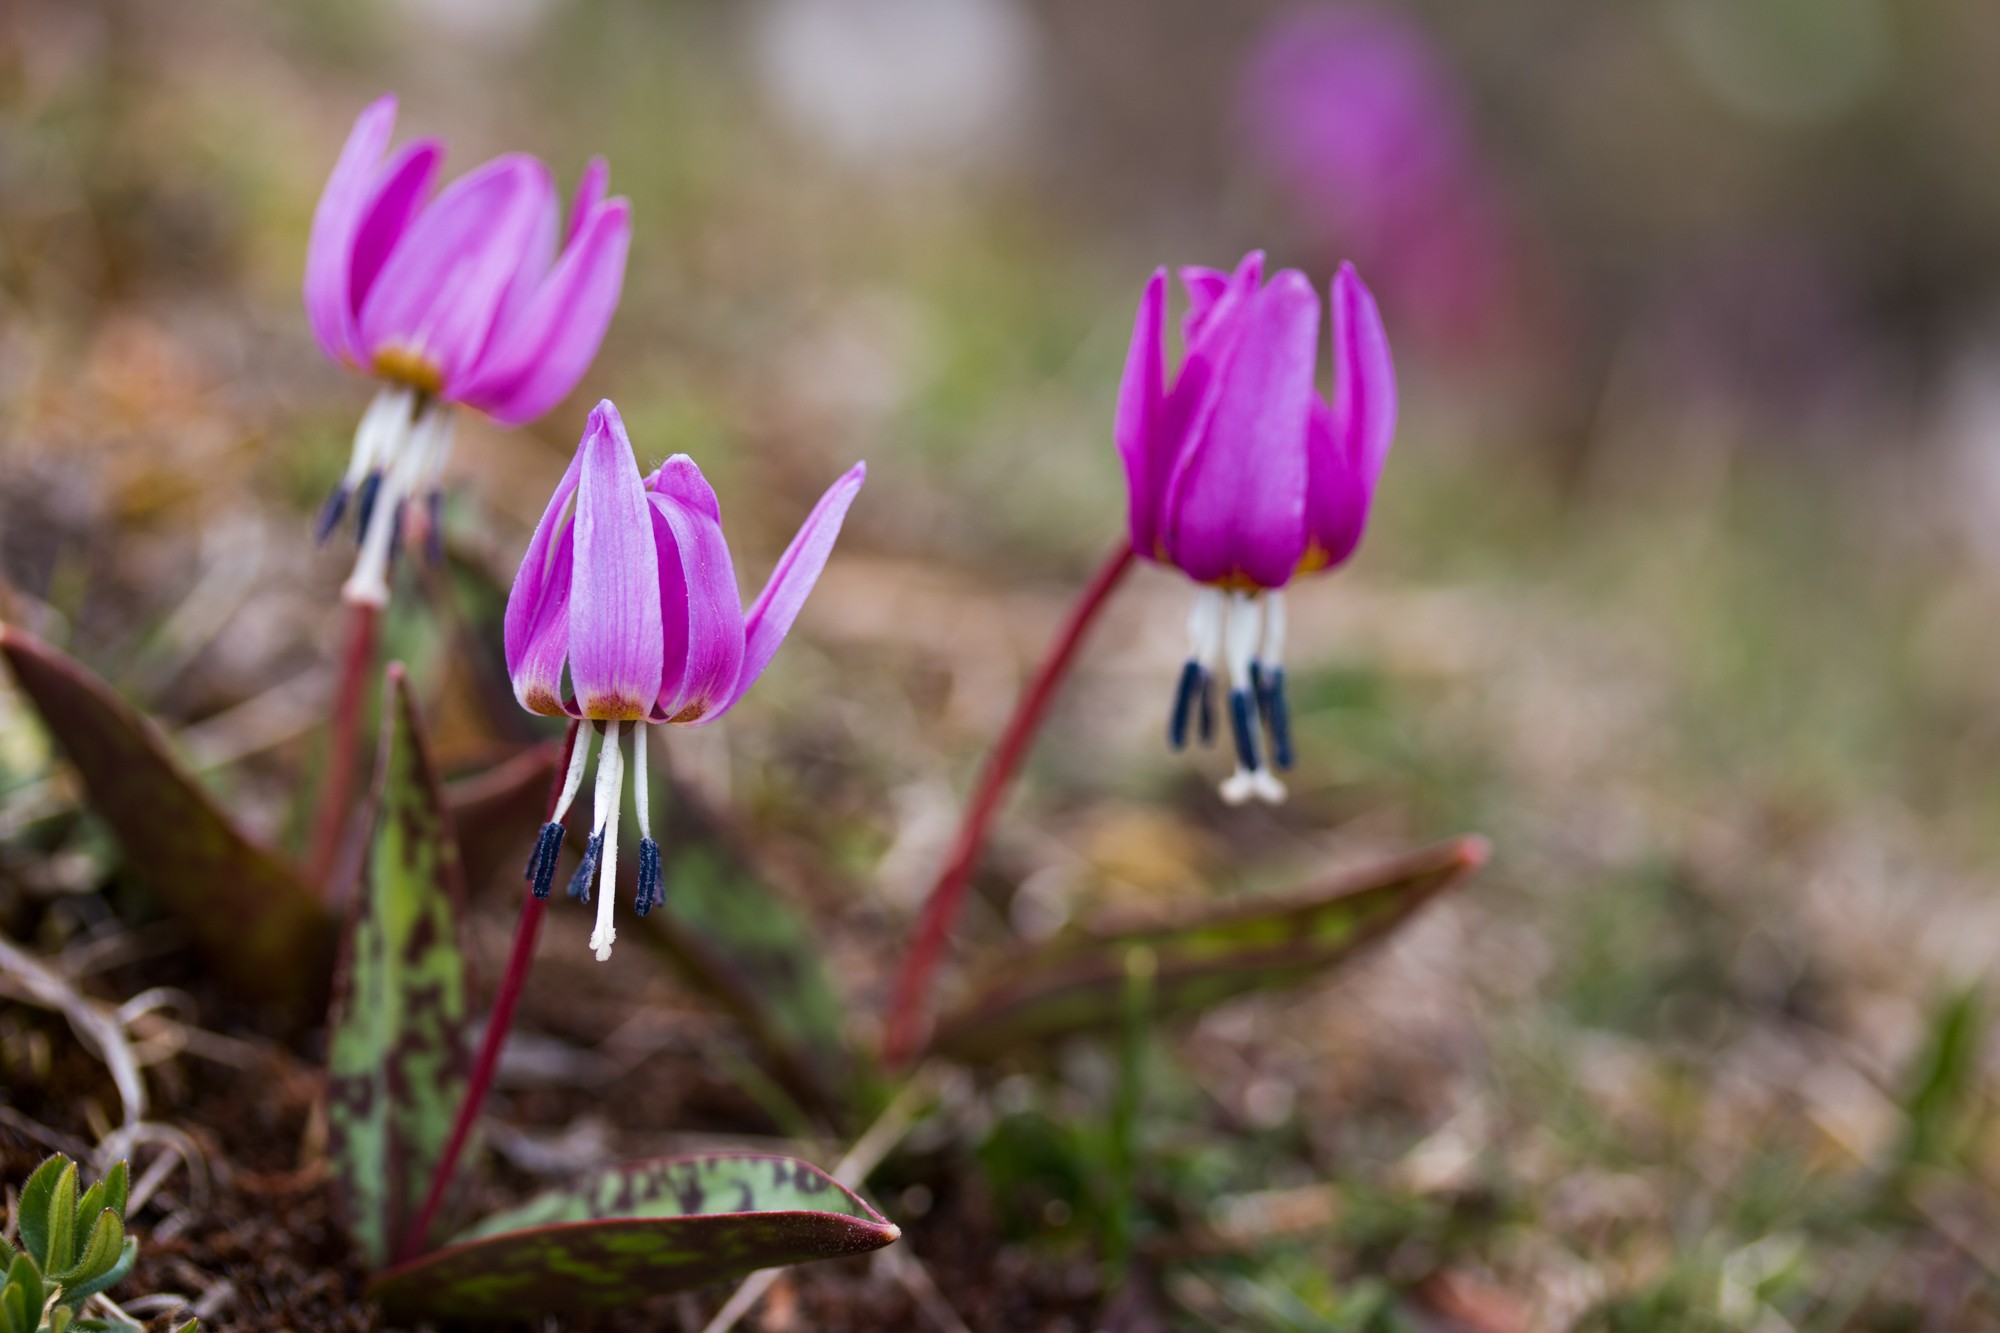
x=1077, y=984
x=398, y=1056
x=637, y=1230
x=251, y=916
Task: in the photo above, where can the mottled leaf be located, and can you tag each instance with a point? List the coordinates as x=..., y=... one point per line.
x=737, y=939
x=636, y=1230
x=398, y=1054
x=1077, y=983
x=497, y=813
x=250, y=915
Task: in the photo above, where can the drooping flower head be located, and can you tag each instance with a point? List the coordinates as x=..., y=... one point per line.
x=628, y=590
x=476, y=296
x=1243, y=477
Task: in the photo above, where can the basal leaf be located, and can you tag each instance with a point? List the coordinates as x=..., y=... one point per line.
x=736, y=938
x=498, y=811
x=1077, y=984
x=254, y=919
x=637, y=1230
x=398, y=1055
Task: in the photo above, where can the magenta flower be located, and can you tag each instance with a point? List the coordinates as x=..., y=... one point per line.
x=1242, y=477
x=628, y=586
x=461, y=298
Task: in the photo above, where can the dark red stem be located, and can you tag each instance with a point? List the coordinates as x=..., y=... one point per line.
x=336, y=794
x=512, y=981
x=948, y=892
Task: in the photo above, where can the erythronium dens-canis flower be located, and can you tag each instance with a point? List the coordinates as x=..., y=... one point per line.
x=628, y=589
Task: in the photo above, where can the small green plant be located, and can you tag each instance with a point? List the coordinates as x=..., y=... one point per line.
x=66, y=1250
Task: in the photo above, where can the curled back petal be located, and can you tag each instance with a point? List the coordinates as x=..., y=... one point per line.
x=614, y=630
x=1364, y=375
x=1236, y=507
x=540, y=596
x=702, y=619
x=1138, y=427
x=532, y=365
x=336, y=221
x=590, y=191
x=771, y=615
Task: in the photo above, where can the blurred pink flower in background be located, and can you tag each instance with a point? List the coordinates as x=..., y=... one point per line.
x=478, y=296
x=1354, y=114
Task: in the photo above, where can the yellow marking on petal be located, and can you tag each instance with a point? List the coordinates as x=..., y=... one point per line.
x=1315, y=559
x=407, y=365
x=613, y=708
x=694, y=712
x=544, y=702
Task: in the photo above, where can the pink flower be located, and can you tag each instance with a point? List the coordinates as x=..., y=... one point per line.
x=628, y=585
x=1241, y=476
x=464, y=297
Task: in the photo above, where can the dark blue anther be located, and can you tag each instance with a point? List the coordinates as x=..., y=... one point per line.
x=364, y=505
x=649, y=875
x=434, y=527
x=579, y=883
x=1184, y=700
x=1243, y=724
x=1208, y=708
x=1257, y=679
x=330, y=513
x=542, y=865
x=1277, y=716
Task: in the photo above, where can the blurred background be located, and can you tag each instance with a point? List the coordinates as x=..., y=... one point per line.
x=1680, y=586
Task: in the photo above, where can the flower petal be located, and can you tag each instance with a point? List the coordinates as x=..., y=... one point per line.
x=1138, y=426
x=536, y=361
x=771, y=615
x=404, y=184
x=1364, y=385
x=1204, y=287
x=703, y=620
x=436, y=299
x=1349, y=442
x=1236, y=507
x=1199, y=382
x=535, y=634
x=614, y=631
x=336, y=220
x=590, y=190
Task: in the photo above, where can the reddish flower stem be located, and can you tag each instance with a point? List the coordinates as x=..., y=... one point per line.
x=948, y=892
x=336, y=795
x=512, y=981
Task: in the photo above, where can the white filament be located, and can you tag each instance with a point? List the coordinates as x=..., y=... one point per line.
x=1205, y=627
x=610, y=795
x=579, y=759
x=409, y=455
x=1272, y=654
x=640, y=733
x=1246, y=626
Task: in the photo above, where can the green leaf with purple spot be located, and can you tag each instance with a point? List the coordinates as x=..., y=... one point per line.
x=633, y=1231
x=257, y=924
x=399, y=1053
x=1077, y=984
